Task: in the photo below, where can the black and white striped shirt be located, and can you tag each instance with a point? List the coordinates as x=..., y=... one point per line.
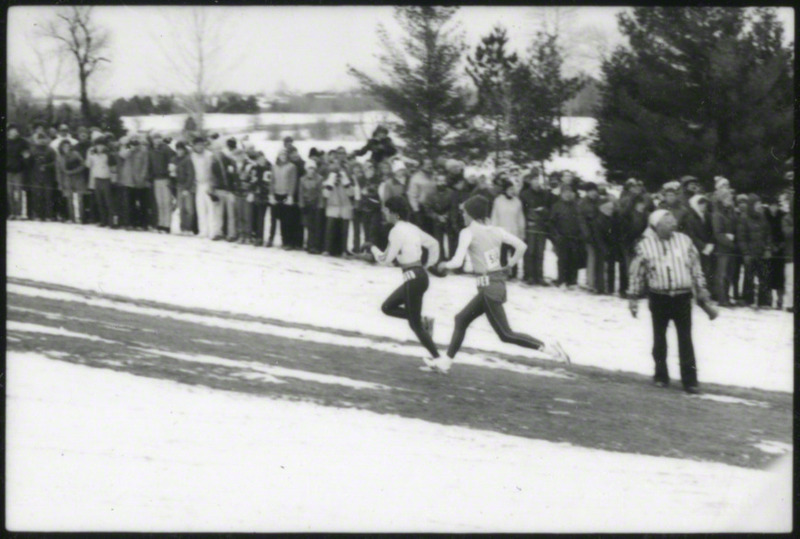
x=665, y=266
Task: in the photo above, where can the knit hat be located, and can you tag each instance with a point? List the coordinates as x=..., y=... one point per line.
x=656, y=216
x=721, y=182
x=671, y=186
x=477, y=207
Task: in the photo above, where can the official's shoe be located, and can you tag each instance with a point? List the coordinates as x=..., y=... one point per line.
x=427, y=325
x=692, y=390
x=660, y=383
x=556, y=351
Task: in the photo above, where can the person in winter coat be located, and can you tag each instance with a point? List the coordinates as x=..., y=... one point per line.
x=565, y=232
x=260, y=179
x=310, y=201
x=356, y=172
x=282, y=188
x=224, y=177
x=587, y=213
x=369, y=205
x=292, y=211
x=723, y=225
x=696, y=223
x=43, y=180
x=243, y=193
x=98, y=162
x=339, y=192
x=775, y=273
x=421, y=185
x=536, y=202
x=71, y=179
x=753, y=238
x=604, y=239
x=18, y=156
x=160, y=157
x=507, y=214
x=787, y=227
x=437, y=210
x=461, y=192
x=185, y=186
x=672, y=200
x=134, y=177
x=380, y=146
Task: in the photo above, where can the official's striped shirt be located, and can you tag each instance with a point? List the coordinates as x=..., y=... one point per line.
x=665, y=266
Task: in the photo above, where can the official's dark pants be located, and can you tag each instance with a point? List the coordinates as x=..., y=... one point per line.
x=664, y=308
x=489, y=301
x=452, y=241
x=533, y=262
x=756, y=269
x=722, y=278
x=41, y=204
x=569, y=253
x=336, y=230
x=311, y=222
x=406, y=303
x=616, y=256
x=278, y=214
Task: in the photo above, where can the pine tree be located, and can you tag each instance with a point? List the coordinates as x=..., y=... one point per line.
x=490, y=70
x=421, y=85
x=700, y=91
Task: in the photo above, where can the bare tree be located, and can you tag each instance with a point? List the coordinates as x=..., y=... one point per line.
x=198, y=55
x=48, y=72
x=78, y=36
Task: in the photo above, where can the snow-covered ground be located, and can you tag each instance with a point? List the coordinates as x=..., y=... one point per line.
x=96, y=450
x=741, y=347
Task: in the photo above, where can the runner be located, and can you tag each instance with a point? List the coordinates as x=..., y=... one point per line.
x=406, y=242
x=483, y=243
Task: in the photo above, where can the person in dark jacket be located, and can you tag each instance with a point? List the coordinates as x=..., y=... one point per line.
x=18, y=156
x=604, y=239
x=787, y=227
x=380, y=146
x=565, y=232
x=43, y=180
x=460, y=193
x=310, y=201
x=223, y=173
x=587, y=213
x=723, y=225
x=696, y=223
x=260, y=178
x=536, y=204
x=672, y=200
x=70, y=168
x=437, y=210
x=160, y=157
x=753, y=238
x=775, y=274
x=185, y=186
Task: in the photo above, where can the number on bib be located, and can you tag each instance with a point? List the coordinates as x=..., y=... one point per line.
x=492, y=259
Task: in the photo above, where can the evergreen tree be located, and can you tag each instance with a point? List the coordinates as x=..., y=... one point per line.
x=490, y=69
x=700, y=91
x=422, y=78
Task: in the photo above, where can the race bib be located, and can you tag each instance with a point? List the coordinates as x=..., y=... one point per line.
x=492, y=259
x=483, y=280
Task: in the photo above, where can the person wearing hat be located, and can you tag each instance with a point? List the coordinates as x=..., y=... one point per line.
x=723, y=225
x=565, y=233
x=483, y=243
x=183, y=177
x=380, y=146
x=696, y=223
x=536, y=203
x=667, y=265
x=62, y=134
x=160, y=157
x=754, y=240
x=310, y=201
x=98, y=163
x=70, y=168
x=17, y=162
x=43, y=185
x=672, y=199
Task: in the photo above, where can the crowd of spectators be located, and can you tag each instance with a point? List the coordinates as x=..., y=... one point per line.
x=331, y=202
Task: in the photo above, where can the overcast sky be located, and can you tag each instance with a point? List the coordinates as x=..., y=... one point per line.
x=303, y=48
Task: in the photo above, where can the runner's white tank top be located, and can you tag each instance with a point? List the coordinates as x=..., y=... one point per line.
x=484, y=249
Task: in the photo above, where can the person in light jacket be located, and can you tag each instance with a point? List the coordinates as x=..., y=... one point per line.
x=70, y=168
x=99, y=161
x=282, y=188
x=310, y=200
x=339, y=192
x=507, y=214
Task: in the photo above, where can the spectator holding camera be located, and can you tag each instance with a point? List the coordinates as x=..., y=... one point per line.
x=380, y=146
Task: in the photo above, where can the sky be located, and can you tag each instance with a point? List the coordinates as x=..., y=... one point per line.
x=302, y=48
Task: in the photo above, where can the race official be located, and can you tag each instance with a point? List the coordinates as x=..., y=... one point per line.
x=667, y=266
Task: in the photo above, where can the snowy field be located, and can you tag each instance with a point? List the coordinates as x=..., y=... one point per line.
x=113, y=452
x=579, y=159
x=741, y=348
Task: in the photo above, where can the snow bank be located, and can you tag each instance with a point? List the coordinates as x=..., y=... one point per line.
x=140, y=454
x=741, y=347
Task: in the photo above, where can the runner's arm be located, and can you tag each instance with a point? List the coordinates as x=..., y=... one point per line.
x=464, y=239
x=519, y=247
x=386, y=258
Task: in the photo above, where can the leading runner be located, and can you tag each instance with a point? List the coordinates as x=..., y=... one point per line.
x=483, y=242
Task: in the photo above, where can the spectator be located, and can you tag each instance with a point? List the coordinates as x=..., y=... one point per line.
x=244, y=196
x=369, y=205
x=461, y=193
x=281, y=192
x=57, y=136
x=672, y=201
x=775, y=273
x=420, y=187
x=565, y=232
x=356, y=172
x=737, y=263
x=380, y=146
x=142, y=191
x=71, y=179
x=224, y=177
x=43, y=179
x=437, y=210
x=696, y=223
x=98, y=162
x=89, y=207
x=604, y=238
x=338, y=191
x=202, y=159
x=667, y=265
x=261, y=178
x=292, y=210
x=507, y=214
x=536, y=202
x=587, y=213
x=723, y=221
x=483, y=188
x=18, y=157
x=787, y=227
x=690, y=186
x=160, y=157
x=753, y=238
x=185, y=187
x=310, y=202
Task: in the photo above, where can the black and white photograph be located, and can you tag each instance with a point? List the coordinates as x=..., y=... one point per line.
x=399, y=268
